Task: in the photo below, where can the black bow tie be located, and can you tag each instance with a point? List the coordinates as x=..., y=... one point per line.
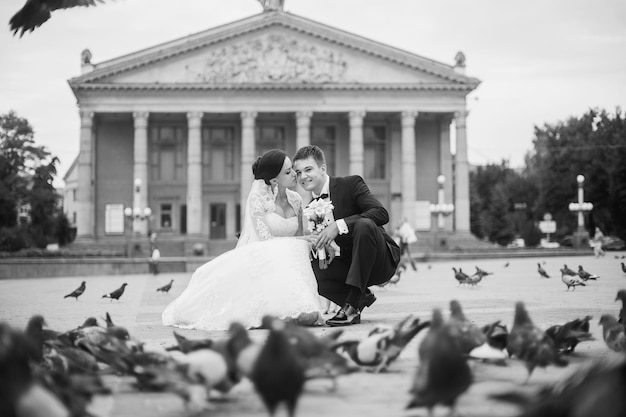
x=320, y=197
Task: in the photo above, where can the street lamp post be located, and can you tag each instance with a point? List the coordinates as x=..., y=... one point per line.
x=441, y=209
x=581, y=236
x=136, y=214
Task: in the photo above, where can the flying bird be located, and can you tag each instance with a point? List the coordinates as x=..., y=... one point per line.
x=78, y=291
x=542, y=271
x=116, y=294
x=443, y=373
x=571, y=280
x=36, y=12
x=530, y=344
x=166, y=288
x=586, y=275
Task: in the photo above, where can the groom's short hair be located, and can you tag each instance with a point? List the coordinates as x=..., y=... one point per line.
x=310, y=151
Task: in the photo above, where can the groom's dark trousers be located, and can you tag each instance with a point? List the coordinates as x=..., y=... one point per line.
x=369, y=256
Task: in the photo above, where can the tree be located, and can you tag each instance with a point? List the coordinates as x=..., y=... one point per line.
x=27, y=172
x=18, y=158
x=593, y=145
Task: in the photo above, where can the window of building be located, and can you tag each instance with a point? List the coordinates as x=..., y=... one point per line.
x=74, y=194
x=218, y=154
x=270, y=137
x=326, y=138
x=166, y=216
x=73, y=217
x=375, y=151
x=167, y=156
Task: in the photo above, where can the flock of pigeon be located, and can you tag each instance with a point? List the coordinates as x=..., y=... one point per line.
x=51, y=373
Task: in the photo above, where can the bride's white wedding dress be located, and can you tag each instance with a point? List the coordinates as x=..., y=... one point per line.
x=271, y=276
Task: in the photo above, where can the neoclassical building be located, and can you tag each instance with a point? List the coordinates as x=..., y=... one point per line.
x=176, y=127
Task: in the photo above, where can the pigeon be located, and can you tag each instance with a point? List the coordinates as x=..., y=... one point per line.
x=567, y=270
x=205, y=367
x=166, y=288
x=530, y=344
x=613, y=333
x=621, y=295
x=586, y=275
x=567, y=336
x=494, y=349
x=542, y=271
x=460, y=276
x=78, y=291
x=383, y=345
x=497, y=335
x=36, y=12
x=465, y=333
x=482, y=272
x=594, y=389
x=506, y=265
x=278, y=374
x=623, y=267
x=20, y=392
x=317, y=353
x=116, y=294
x=571, y=280
x=186, y=345
x=443, y=373
x=473, y=280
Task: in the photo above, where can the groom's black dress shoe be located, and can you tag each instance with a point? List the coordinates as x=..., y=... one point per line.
x=368, y=299
x=346, y=316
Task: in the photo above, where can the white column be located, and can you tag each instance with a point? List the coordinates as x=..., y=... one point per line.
x=85, y=215
x=303, y=128
x=194, y=173
x=356, y=143
x=461, y=176
x=140, y=169
x=409, y=169
x=247, y=156
x=445, y=164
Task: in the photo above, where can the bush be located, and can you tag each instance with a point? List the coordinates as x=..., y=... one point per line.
x=531, y=234
x=63, y=232
x=13, y=239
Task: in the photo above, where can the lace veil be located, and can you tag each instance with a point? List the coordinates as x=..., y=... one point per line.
x=261, y=200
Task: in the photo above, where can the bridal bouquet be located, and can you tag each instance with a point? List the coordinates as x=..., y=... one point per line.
x=317, y=214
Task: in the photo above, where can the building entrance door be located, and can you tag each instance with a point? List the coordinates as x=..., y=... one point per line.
x=218, y=221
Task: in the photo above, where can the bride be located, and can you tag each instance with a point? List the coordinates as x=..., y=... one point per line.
x=269, y=272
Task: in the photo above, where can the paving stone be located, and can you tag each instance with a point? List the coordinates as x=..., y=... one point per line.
x=359, y=394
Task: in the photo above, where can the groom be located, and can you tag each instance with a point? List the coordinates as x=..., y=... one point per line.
x=369, y=256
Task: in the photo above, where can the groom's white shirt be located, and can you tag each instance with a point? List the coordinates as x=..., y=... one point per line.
x=341, y=223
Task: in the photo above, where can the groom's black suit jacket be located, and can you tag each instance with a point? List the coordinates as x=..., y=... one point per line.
x=353, y=200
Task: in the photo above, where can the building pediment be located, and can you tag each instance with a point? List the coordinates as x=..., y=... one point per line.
x=272, y=50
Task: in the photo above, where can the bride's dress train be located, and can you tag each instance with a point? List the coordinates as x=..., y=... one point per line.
x=265, y=277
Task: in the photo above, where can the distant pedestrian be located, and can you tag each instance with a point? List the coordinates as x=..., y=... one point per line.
x=407, y=235
x=154, y=260
x=598, y=240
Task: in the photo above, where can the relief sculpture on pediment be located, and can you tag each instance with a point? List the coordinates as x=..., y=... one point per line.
x=273, y=58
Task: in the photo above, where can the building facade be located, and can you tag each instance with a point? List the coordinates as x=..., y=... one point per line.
x=168, y=134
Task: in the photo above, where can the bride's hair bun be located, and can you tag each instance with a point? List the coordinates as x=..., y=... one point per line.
x=255, y=167
x=268, y=165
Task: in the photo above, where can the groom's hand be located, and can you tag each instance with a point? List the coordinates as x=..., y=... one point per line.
x=327, y=235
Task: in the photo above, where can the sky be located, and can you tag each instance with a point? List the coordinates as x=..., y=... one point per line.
x=539, y=61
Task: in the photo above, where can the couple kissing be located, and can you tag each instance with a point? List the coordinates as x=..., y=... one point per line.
x=271, y=271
